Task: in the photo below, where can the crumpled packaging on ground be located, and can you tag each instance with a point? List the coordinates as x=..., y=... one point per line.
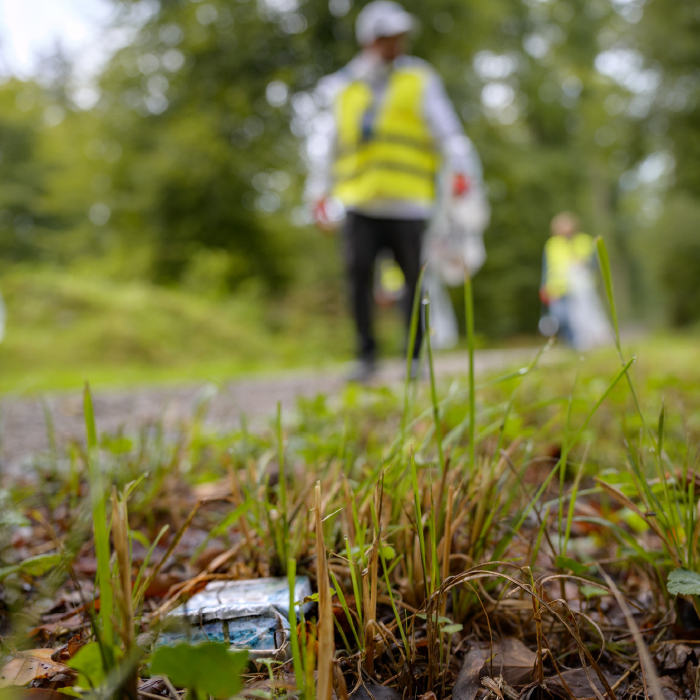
x=252, y=615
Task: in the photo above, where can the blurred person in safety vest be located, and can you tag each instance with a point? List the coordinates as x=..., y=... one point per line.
x=568, y=287
x=384, y=127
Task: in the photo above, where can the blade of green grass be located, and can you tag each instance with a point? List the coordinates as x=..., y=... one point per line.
x=469, y=312
x=433, y=389
x=413, y=327
x=102, y=550
x=297, y=660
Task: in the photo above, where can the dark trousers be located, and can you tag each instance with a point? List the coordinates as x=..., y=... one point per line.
x=363, y=238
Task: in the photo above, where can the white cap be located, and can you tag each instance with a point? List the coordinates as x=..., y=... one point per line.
x=382, y=18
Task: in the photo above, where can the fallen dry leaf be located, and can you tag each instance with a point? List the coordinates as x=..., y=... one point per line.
x=378, y=692
x=512, y=660
x=509, y=658
x=672, y=656
x=70, y=624
x=468, y=680
x=578, y=683
x=70, y=649
x=670, y=689
x=24, y=667
x=153, y=686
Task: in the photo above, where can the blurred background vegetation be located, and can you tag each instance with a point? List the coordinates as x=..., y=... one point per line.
x=158, y=231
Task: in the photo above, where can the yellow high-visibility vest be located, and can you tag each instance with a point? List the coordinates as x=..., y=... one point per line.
x=560, y=254
x=389, y=154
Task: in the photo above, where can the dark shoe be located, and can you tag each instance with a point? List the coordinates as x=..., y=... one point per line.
x=364, y=369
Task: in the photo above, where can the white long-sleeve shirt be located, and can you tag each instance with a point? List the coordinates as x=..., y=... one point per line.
x=456, y=148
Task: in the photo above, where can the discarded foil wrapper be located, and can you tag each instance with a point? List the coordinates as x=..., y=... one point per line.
x=230, y=598
x=265, y=633
x=250, y=614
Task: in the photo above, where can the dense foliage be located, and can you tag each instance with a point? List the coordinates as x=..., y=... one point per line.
x=186, y=167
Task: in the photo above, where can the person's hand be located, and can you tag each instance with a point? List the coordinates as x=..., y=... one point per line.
x=323, y=222
x=461, y=185
x=544, y=297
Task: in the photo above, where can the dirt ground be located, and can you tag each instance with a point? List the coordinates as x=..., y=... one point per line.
x=23, y=425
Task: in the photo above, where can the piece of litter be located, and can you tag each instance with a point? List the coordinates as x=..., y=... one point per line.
x=251, y=614
x=264, y=634
x=230, y=598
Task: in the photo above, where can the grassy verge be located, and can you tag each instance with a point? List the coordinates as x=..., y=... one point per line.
x=560, y=506
x=64, y=328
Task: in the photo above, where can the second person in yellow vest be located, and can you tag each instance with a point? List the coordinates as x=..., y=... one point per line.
x=384, y=129
x=568, y=286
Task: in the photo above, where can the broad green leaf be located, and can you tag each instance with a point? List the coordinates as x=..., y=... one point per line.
x=34, y=566
x=592, y=591
x=37, y=566
x=313, y=598
x=568, y=563
x=451, y=629
x=90, y=665
x=209, y=668
x=441, y=620
x=683, y=582
x=636, y=522
x=388, y=552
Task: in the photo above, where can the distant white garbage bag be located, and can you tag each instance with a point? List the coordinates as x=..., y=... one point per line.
x=454, y=244
x=455, y=240
x=444, y=331
x=589, y=325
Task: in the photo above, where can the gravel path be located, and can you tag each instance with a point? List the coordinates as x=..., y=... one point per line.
x=23, y=430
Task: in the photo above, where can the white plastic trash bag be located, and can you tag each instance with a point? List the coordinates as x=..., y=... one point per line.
x=589, y=324
x=444, y=331
x=455, y=239
x=454, y=243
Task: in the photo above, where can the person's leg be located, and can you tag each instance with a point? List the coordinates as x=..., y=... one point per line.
x=360, y=251
x=405, y=237
x=559, y=308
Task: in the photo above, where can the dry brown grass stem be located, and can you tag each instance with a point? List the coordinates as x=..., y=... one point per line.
x=326, y=640
x=123, y=592
x=341, y=686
